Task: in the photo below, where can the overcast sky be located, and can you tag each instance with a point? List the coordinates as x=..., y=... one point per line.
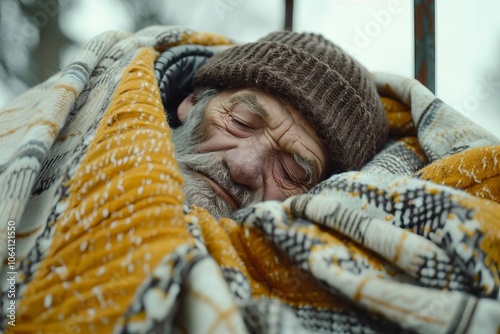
x=377, y=32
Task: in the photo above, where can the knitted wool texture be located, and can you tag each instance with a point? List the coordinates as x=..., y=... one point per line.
x=333, y=91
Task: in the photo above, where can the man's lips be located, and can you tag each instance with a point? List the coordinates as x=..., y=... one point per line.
x=223, y=192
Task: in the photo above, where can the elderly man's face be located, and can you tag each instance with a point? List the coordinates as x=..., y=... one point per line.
x=244, y=146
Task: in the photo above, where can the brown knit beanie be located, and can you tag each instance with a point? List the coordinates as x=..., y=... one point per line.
x=333, y=91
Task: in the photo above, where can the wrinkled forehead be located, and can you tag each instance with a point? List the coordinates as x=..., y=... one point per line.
x=281, y=114
x=274, y=109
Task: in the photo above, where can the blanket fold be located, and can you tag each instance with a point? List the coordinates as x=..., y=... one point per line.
x=104, y=242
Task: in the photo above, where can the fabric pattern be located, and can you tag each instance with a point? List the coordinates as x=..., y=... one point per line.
x=104, y=242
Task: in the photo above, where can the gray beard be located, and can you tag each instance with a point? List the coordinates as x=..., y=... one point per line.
x=197, y=190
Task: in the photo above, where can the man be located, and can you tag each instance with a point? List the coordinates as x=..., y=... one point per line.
x=273, y=118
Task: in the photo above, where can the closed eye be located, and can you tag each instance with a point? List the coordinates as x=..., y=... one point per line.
x=238, y=127
x=291, y=171
x=240, y=123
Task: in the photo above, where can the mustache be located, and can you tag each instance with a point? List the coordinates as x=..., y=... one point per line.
x=211, y=165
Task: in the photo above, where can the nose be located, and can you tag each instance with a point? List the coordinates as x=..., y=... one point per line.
x=246, y=163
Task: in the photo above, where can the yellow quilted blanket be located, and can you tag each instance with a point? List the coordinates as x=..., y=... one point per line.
x=98, y=238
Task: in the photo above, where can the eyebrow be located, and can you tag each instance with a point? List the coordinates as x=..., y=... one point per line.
x=250, y=101
x=308, y=165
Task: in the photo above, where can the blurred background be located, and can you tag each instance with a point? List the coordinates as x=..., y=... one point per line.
x=39, y=37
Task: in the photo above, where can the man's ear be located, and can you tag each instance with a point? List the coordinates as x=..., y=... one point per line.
x=184, y=107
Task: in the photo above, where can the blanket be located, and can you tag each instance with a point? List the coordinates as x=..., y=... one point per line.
x=96, y=237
